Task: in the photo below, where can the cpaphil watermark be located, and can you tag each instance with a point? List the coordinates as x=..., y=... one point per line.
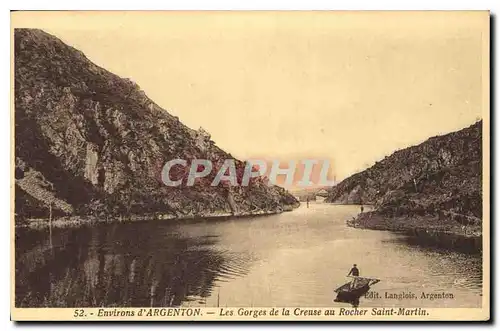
x=303, y=173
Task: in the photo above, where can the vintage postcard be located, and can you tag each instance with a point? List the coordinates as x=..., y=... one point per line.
x=250, y=166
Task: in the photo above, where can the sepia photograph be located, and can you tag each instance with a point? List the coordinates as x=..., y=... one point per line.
x=257, y=166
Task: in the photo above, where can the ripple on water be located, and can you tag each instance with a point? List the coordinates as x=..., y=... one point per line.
x=296, y=258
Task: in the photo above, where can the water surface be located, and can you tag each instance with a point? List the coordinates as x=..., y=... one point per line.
x=292, y=259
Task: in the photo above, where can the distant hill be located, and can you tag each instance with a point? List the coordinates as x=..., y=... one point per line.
x=88, y=142
x=305, y=194
x=440, y=177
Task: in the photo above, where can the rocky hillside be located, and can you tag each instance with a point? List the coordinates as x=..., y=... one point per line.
x=88, y=142
x=440, y=177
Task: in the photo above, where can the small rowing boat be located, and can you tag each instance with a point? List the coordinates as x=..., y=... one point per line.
x=354, y=289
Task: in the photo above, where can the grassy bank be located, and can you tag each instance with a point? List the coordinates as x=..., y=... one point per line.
x=425, y=230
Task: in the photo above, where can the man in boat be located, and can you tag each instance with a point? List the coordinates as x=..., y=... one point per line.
x=354, y=272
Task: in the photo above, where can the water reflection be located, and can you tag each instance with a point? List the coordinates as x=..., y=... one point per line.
x=292, y=259
x=464, y=268
x=118, y=265
x=354, y=302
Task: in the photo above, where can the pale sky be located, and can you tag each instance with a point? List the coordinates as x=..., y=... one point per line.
x=349, y=87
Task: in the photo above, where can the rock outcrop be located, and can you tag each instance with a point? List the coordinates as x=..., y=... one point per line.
x=88, y=142
x=440, y=178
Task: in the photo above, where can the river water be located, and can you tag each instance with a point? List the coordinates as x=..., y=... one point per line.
x=292, y=259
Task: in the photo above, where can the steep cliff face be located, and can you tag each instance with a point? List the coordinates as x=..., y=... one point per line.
x=90, y=142
x=442, y=176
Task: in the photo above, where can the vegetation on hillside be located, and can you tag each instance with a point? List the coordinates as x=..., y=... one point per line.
x=97, y=143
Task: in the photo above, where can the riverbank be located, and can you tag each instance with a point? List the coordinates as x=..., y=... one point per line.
x=85, y=220
x=425, y=230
